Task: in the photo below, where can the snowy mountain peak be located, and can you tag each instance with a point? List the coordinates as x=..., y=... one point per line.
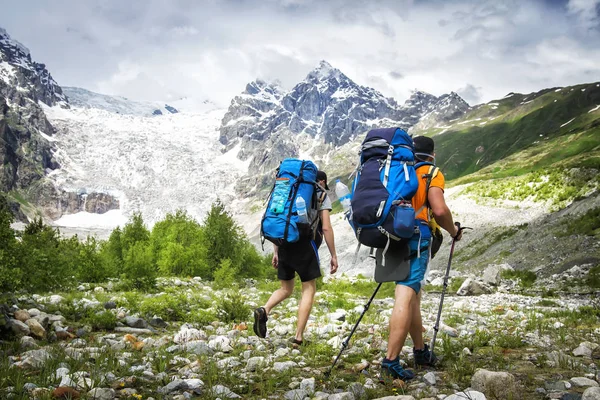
x=9, y=43
x=324, y=71
x=18, y=70
x=261, y=88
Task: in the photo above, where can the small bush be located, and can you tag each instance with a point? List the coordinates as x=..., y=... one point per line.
x=507, y=341
x=456, y=283
x=525, y=278
x=202, y=317
x=225, y=276
x=105, y=320
x=593, y=278
x=170, y=307
x=232, y=308
x=547, y=303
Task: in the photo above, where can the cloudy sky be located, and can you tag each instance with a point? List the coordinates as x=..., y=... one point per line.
x=162, y=50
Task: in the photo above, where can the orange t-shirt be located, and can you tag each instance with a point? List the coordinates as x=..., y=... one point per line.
x=419, y=198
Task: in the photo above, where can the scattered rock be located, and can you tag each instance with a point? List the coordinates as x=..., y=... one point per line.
x=36, y=328
x=468, y=395
x=224, y=392
x=308, y=385
x=158, y=322
x=55, y=299
x=341, y=396
x=296, y=394
x=110, y=305
x=492, y=274
x=358, y=390
x=65, y=393
x=583, y=382
x=499, y=385
x=254, y=363
x=135, y=322
x=592, y=393
x=189, y=334
x=34, y=358
x=197, y=347
x=101, y=394
x=19, y=328
x=284, y=366
x=137, y=331
x=429, y=378
x=27, y=342
x=22, y=315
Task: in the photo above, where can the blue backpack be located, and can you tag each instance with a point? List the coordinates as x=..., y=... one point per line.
x=385, y=182
x=280, y=225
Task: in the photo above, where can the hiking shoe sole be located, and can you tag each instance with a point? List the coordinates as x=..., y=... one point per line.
x=260, y=322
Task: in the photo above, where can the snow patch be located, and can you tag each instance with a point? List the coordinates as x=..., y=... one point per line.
x=594, y=109
x=109, y=220
x=568, y=122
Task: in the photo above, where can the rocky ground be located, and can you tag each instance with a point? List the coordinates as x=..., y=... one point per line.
x=191, y=340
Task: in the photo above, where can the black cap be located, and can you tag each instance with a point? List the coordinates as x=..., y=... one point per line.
x=424, y=145
x=322, y=176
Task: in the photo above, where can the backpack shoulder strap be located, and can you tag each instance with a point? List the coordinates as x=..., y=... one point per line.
x=431, y=173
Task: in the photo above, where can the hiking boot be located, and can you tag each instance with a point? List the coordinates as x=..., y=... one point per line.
x=425, y=357
x=394, y=369
x=260, y=322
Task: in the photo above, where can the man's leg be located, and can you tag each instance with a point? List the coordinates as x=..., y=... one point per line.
x=416, y=326
x=400, y=321
x=309, y=289
x=285, y=291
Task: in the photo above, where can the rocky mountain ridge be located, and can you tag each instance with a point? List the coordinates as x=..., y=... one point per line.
x=326, y=108
x=27, y=151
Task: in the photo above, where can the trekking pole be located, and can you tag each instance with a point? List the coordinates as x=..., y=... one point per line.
x=439, y=314
x=345, y=342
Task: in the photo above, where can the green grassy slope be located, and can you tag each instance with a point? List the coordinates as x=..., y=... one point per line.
x=525, y=132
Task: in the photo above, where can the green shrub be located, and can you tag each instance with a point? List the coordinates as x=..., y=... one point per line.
x=587, y=223
x=101, y=320
x=526, y=278
x=10, y=272
x=47, y=262
x=91, y=266
x=225, y=276
x=202, y=317
x=593, y=278
x=139, y=267
x=168, y=306
x=179, y=246
x=456, y=283
x=547, y=303
x=232, y=308
x=509, y=341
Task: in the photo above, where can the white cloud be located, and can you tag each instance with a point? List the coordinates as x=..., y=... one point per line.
x=588, y=12
x=159, y=50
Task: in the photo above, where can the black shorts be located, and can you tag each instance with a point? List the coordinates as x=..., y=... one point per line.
x=301, y=257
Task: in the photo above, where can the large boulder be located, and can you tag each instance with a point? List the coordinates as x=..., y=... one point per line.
x=471, y=287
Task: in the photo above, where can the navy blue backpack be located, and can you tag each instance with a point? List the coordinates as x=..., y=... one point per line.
x=280, y=223
x=385, y=182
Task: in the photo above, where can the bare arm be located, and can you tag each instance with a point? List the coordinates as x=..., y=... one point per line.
x=275, y=261
x=441, y=212
x=329, y=239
